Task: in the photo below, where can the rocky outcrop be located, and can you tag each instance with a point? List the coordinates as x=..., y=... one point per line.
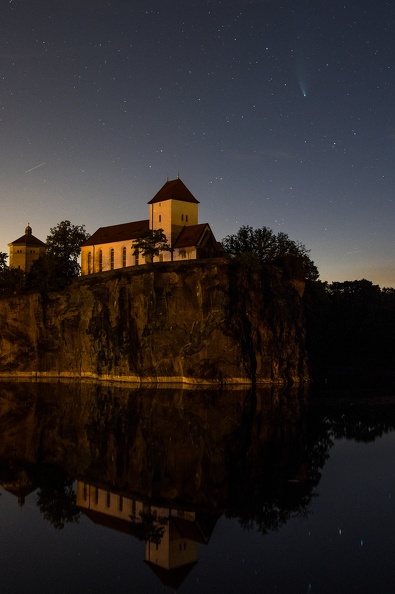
x=194, y=322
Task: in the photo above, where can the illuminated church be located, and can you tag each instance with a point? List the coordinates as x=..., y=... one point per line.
x=173, y=209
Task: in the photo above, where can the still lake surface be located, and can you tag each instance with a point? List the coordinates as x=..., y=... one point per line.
x=110, y=489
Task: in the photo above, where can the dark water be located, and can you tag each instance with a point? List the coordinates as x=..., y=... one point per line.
x=104, y=489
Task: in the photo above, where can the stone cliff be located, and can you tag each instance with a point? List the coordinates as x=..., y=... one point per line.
x=194, y=322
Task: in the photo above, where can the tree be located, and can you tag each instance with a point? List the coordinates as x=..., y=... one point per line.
x=263, y=245
x=3, y=261
x=151, y=244
x=54, y=269
x=56, y=498
x=11, y=279
x=65, y=241
x=51, y=273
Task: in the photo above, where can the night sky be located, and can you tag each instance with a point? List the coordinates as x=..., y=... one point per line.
x=276, y=113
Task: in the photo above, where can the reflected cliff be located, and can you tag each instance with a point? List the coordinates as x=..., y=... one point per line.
x=163, y=465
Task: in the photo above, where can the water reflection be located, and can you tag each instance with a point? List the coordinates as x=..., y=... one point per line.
x=171, y=535
x=164, y=465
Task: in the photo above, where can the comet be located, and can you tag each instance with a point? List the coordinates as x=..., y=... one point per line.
x=303, y=89
x=36, y=167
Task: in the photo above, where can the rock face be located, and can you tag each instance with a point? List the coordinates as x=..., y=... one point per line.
x=201, y=322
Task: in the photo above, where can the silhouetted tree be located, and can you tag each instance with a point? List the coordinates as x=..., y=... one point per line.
x=149, y=527
x=3, y=261
x=151, y=244
x=11, y=279
x=54, y=269
x=56, y=498
x=65, y=241
x=263, y=245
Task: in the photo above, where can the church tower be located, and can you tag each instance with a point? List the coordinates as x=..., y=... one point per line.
x=172, y=209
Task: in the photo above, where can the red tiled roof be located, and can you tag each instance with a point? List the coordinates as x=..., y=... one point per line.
x=191, y=235
x=119, y=524
x=122, y=232
x=28, y=239
x=174, y=189
x=172, y=578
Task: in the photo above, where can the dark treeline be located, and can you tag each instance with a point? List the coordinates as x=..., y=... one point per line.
x=350, y=329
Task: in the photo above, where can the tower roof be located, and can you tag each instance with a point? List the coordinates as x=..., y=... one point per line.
x=28, y=239
x=174, y=189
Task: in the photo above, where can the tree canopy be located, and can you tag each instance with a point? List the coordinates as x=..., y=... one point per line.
x=151, y=244
x=3, y=261
x=65, y=240
x=264, y=245
x=11, y=279
x=59, y=264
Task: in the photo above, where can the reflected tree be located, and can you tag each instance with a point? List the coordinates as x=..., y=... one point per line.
x=149, y=527
x=56, y=498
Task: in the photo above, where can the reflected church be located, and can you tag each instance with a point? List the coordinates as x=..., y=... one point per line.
x=171, y=536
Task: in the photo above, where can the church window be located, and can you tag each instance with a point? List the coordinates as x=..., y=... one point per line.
x=182, y=217
x=89, y=262
x=112, y=259
x=100, y=260
x=186, y=218
x=136, y=258
x=96, y=496
x=123, y=256
x=160, y=218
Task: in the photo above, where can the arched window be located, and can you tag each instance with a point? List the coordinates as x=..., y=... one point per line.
x=112, y=259
x=136, y=258
x=123, y=256
x=89, y=262
x=100, y=260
